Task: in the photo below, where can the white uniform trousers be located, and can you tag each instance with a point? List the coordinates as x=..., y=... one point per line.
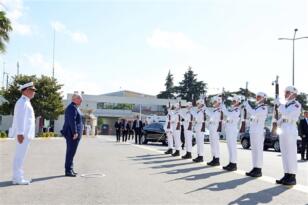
x=257, y=144
x=188, y=140
x=288, y=148
x=200, y=143
x=214, y=142
x=20, y=154
x=170, y=140
x=231, y=137
x=177, y=139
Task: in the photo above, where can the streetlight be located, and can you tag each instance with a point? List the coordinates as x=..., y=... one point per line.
x=293, y=40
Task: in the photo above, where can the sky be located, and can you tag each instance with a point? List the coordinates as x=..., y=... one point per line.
x=104, y=46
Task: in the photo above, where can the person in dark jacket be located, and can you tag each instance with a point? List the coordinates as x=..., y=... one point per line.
x=303, y=132
x=137, y=127
x=72, y=131
x=124, y=130
x=117, y=127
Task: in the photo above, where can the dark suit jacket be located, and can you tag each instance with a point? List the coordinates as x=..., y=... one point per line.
x=72, y=121
x=303, y=128
x=135, y=125
x=118, y=125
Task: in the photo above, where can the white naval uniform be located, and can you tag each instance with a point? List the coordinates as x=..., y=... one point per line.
x=231, y=128
x=290, y=113
x=169, y=130
x=176, y=133
x=23, y=124
x=188, y=119
x=257, y=121
x=214, y=116
x=199, y=120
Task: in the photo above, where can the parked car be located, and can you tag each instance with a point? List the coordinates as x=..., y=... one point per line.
x=155, y=132
x=270, y=141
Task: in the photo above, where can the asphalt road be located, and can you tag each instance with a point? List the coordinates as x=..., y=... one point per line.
x=124, y=173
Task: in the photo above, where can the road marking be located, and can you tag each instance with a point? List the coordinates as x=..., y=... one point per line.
x=298, y=187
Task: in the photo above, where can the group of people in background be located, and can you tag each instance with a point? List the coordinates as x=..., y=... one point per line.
x=128, y=128
x=196, y=119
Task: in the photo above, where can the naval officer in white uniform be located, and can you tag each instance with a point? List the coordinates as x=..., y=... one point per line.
x=23, y=130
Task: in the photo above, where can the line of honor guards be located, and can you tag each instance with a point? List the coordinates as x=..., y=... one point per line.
x=196, y=119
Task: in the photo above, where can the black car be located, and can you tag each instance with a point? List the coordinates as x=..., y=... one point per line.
x=154, y=132
x=270, y=141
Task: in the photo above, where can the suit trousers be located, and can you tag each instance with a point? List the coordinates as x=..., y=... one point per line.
x=71, y=148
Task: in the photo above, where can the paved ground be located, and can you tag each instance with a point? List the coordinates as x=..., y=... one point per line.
x=141, y=174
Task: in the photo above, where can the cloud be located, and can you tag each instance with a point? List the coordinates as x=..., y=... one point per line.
x=78, y=37
x=37, y=60
x=171, y=40
x=15, y=12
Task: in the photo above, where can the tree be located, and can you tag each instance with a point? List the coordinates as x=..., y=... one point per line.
x=169, y=92
x=302, y=99
x=5, y=28
x=47, y=102
x=190, y=87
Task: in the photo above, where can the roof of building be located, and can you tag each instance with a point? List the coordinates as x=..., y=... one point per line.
x=128, y=93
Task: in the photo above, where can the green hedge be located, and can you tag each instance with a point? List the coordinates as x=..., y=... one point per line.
x=3, y=134
x=47, y=134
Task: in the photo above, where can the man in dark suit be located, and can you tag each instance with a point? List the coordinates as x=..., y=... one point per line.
x=137, y=127
x=124, y=130
x=118, y=126
x=72, y=131
x=303, y=132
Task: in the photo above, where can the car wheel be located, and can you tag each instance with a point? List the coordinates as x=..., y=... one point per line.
x=245, y=143
x=144, y=140
x=276, y=146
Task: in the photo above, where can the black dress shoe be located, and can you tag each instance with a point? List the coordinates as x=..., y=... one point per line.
x=187, y=155
x=169, y=151
x=256, y=173
x=198, y=159
x=226, y=167
x=282, y=180
x=249, y=173
x=70, y=174
x=290, y=181
x=214, y=162
x=176, y=153
x=231, y=167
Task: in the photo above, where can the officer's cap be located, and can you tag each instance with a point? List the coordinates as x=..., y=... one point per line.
x=217, y=99
x=291, y=89
x=200, y=102
x=29, y=85
x=262, y=94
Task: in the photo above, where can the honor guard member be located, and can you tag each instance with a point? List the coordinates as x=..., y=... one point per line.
x=23, y=129
x=188, y=130
x=168, y=130
x=231, y=128
x=200, y=129
x=214, y=115
x=290, y=113
x=176, y=129
x=257, y=122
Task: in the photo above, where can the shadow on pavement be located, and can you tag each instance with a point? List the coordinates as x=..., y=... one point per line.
x=264, y=196
x=171, y=165
x=200, y=176
x=9, y=183
x=147, y=155
x=182, y=171
x=162, y=161
x=46, y=178
x=148, y=158
x=221, y=186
